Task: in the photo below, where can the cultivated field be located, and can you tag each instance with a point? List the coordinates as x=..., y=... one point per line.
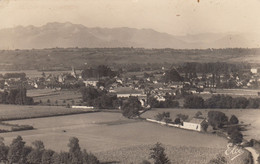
x=11, y=112
x=114, y=138
x=56, y=97
x=248, y=116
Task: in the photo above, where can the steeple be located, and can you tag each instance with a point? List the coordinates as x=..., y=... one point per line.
x=73, y=72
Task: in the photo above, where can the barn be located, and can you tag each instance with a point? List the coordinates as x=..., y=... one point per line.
x=195, y=124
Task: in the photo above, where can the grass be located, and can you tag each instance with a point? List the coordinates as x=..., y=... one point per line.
x=110, y=132
x=14, y=112
x=113, y=138
x=176, y=154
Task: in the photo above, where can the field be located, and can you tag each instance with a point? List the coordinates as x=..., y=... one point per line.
x=11, y=112
x=114, y=138
x=59, y=58
x=248, y=116
x=56, y=97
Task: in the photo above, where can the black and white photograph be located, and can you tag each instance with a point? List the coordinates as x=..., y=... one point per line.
x=129, y=81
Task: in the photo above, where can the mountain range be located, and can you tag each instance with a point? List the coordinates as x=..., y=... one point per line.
x=75, y=35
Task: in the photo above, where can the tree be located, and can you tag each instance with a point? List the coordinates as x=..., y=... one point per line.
x=196, y=102
x=47, y=156
x=158, y=154
x=233, y=120
x=16, y=150
x=131, y=107
x=48, y=101
x=26, y=151
x=74, y=150
x=236, y=137
x=177, y=121
x=89, y=158
x=35, y=156
x=183, y=117
x=3, y=151
x=165, y=116
x=217, y=119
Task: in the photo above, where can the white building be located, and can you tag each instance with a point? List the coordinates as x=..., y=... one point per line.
x=91, y=82
x=254, y=70
x=195, y=124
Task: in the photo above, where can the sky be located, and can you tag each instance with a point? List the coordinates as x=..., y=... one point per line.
x=177, y=17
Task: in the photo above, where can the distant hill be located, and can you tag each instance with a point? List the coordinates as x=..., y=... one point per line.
x=74, y=35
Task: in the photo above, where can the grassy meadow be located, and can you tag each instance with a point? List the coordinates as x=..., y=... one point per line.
x=112, y=137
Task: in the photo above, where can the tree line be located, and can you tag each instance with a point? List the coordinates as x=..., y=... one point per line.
x=217, y=67
x=221, y=102
x=16, y=96
x=19, y=152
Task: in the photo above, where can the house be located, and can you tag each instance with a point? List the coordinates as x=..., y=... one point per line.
x=159, y=98
x=254, y=70
x=176, y=85
x=91, y=82
x=195, y=124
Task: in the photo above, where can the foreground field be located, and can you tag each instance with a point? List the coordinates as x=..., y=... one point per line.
x=110, y=133
x=11, y=112
x=248, y=116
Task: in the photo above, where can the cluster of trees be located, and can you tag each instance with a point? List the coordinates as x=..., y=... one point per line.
x=165, y=116
x=18, y=152
x=16, y=96
x=221, y=102
x=219, y=120
x=98, y=72
x=192, y=101
x=98, y=98
x=131, y=107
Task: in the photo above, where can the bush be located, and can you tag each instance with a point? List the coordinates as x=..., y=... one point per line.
x=165, y=116
x=183, y=117
x=233, y=120
x=177, y=121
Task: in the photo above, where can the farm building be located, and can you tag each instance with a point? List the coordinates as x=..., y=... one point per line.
x=91, y=82
x=195, y=124
x=255, y=70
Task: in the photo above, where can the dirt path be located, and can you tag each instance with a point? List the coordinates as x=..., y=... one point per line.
x=254, y=154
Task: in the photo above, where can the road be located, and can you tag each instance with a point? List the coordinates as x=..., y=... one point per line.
x=254, y=154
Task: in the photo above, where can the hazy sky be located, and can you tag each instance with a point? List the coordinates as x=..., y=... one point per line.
x=171, y=16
